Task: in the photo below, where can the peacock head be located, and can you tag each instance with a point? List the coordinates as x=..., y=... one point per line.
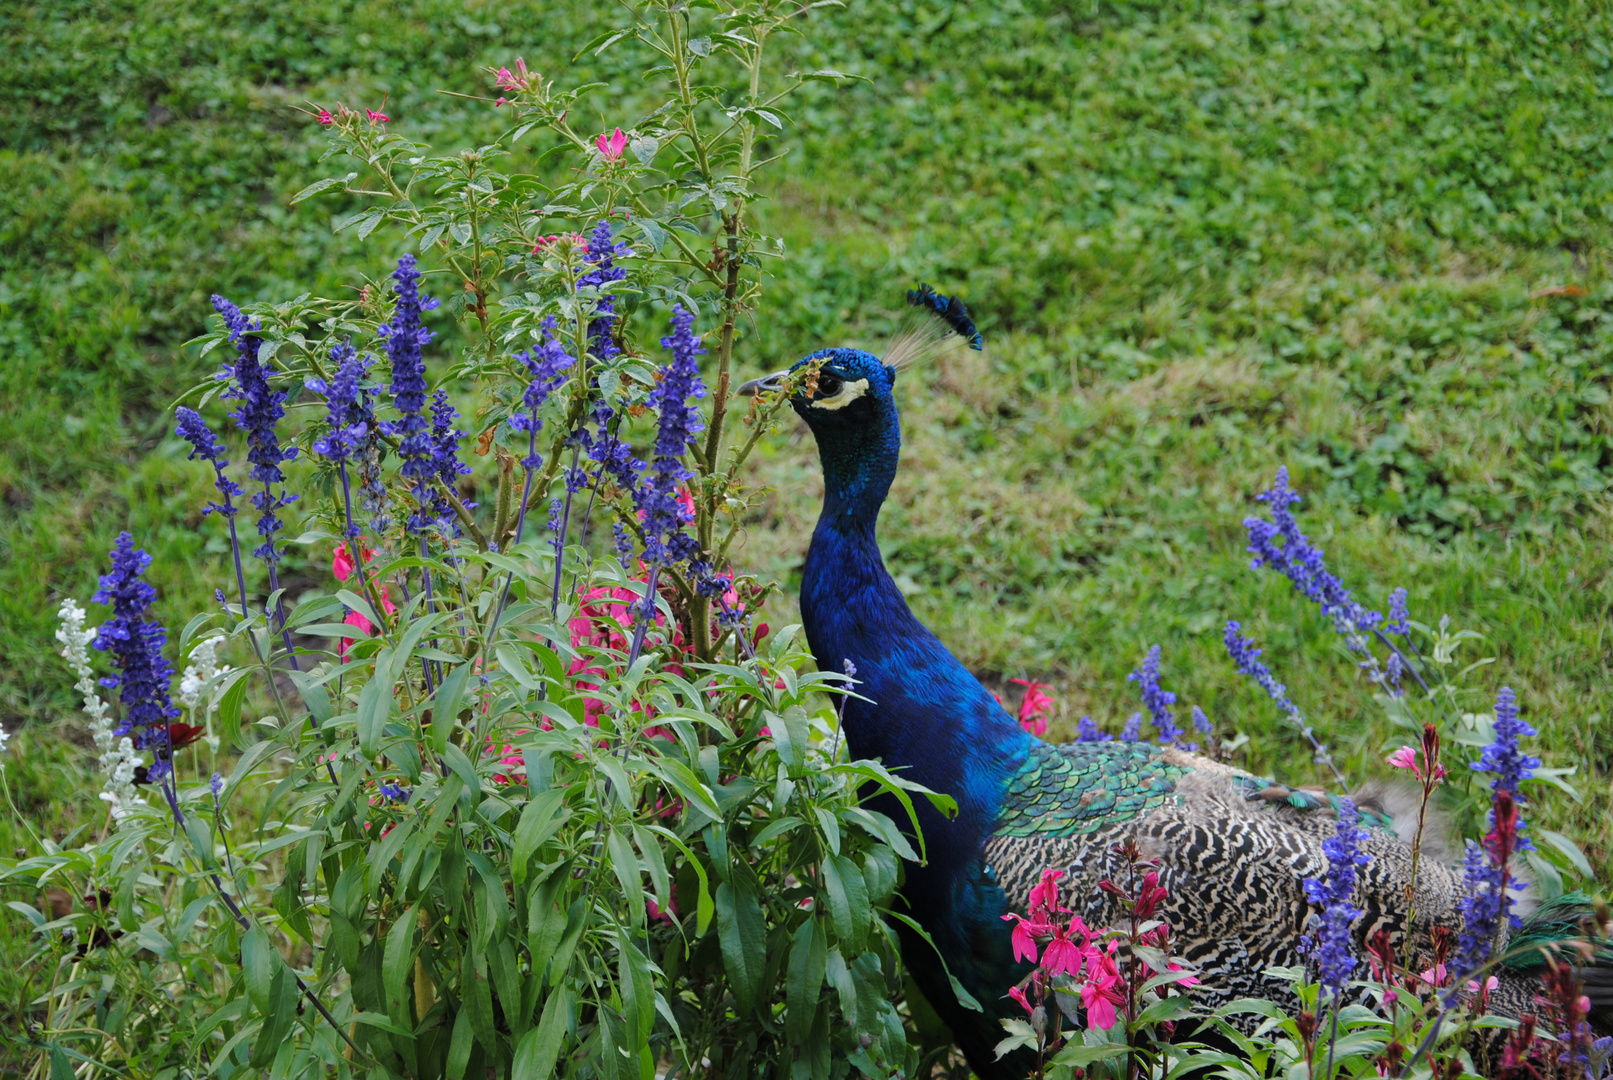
x=846, y=397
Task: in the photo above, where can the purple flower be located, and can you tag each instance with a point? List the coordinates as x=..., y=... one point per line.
x=405, y=337
x=1087, y=731
x=1333, y=892
x=194, y=430
x=622, y=542
x=615, y=456
x=1247, y=660
x=660, y=508
x=445, y=440
x=1503, y=757
x=1133, y=729
x=216, y=786
x=1398, y=615
x=260, y=412
x=136, y=646
x=546, y=365
x=394, y=793
x=602, y=253
x=1201, y=723
x=1484, y=901
x=349, y=418
x=1301, y=561
x=1156, y=698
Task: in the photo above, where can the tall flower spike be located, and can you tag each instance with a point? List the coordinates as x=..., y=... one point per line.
x=602, y=252
x=1156, y=698
x=117, y=756
x=136, y=647
x=258, y=415
x=445, y=440
x=662, y=511
x=1503, y=756
x=1281, y=545
x=1087, y=731
x=194, y=430
x=1333, y=891
x=1247, y=659
x=405, y=338
x=546, y=365
x=350, y=422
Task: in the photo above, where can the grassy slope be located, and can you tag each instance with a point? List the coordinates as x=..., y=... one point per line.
x=1203, y=239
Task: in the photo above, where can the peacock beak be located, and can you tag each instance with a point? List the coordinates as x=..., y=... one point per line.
x=769, y=384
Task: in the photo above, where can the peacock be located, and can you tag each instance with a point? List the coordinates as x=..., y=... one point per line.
x=1233, y=857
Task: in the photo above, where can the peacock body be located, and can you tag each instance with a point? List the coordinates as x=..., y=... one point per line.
x=1233, y=857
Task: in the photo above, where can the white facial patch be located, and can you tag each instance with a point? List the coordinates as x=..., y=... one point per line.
x=849, y=392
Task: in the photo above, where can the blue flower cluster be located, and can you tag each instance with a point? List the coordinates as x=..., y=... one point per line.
x=1132, y=730
x=1399, y=617
x=194, y=430
x=603, y=252
x=1503, y=756
x=660, y=508
x=1247, y=660
x=260, y=411
x=546, y=365
x=136, y=646
x=1301, y=561
x=1484, y=869
x=350, y=419
x=445, y=440
x=394, y=793
x=1157, y=700
x=405, y=338
x=1087, y=731
x=1333, y=892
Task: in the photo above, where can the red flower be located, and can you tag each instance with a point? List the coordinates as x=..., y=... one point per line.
x=1019, y=995
x=182, y=735
x=326, y=118
x=1036, y=707
x=377, y=117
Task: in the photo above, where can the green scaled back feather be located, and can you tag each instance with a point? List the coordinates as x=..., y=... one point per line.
x=1071, y=790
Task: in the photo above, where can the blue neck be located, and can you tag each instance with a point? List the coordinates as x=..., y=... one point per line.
x=928, y=718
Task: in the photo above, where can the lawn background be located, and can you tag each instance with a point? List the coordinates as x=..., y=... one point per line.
x=1203, y=239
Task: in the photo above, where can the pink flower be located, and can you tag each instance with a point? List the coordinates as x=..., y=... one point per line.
x=1489, y=984
x=1044, y=898
x=1019, y=995
x=1437, y=975
x=1025, y=935
x=611, y=146
x=669, y=916
x=520, y=79
x=1101, y=992
x=326, y=118
x=1406, y=758
x=543, y=241
x=376, y=117
x=1191, y=980
x=1034, y=710
x=1062, y=956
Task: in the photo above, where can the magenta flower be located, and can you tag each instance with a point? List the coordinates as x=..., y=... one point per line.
x=1406, y=758
x=519, y=79
x=1034, y=710
x=1044, y=898
x=612, y=145
x=376, y=117
x=1063, y=956
x=1101, y=992
x=1019, y=995
x=326, y=118
x=1025, y=934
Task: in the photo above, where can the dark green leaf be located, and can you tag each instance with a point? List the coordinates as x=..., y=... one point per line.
x=742, y=933
x=809, y=956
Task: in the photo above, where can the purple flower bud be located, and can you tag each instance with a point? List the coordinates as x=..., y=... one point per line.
x=136, y=646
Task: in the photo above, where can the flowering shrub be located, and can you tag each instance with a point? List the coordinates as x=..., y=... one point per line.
x=482, y=804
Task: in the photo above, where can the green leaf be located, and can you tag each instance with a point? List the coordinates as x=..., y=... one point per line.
x=537, y=1051
x=229, y=713
x=374, y=707
x=541, y=818
x=847, y=894
x=460, y=1044
x=1172, y=1008
x=1080, y=1056
x=809, y=956
x=258, y=964
x=397, y=963
x=695, y=794
x=279, y=1018
x=655, y=862
x=461, y=767
x=576, y=923
x=315, y=188
x=742, y=934
x=625, y=863
x=446, y=706
x=637, y=986
x=966, y=999
x=1571, y=851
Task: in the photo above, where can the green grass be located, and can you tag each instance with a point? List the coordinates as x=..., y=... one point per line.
x=1365, y=240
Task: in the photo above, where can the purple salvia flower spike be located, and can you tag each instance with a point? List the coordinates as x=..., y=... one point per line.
x=144, y=674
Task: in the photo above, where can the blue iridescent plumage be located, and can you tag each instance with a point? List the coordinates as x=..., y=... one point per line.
x=951, y=310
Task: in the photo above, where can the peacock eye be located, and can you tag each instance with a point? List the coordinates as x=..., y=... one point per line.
x=828, y=385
